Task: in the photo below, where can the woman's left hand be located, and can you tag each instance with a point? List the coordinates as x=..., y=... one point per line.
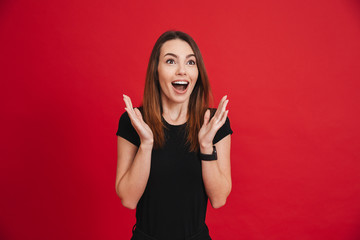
x=210, y=127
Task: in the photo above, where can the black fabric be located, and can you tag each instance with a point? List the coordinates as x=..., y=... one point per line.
x=203, y=234
x=173, y=205
x=127, y=131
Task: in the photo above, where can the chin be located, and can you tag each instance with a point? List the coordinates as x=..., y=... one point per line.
x=180, y=100
x=176, y=99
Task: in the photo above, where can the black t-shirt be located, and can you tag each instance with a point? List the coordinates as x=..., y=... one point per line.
x=173, y=205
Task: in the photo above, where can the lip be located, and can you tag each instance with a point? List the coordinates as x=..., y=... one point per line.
x=183, y=80
x=179, y=91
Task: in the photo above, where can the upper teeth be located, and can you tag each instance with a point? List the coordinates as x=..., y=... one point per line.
x=180, y=82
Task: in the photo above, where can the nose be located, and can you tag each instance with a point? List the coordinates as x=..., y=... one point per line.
x=181, y=69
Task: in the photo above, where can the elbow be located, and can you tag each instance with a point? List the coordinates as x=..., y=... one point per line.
x=218, y=203
x=125, y=202
x=128, y=204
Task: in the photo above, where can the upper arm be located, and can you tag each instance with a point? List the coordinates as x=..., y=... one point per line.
x=223, y=153
x=126, y=152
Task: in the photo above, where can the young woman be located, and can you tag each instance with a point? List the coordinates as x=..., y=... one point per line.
x=174, y=152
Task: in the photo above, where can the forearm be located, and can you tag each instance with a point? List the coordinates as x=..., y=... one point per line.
x=217, y=186
x=132, y=185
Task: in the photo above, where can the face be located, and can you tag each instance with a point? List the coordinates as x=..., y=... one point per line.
x=177, y=71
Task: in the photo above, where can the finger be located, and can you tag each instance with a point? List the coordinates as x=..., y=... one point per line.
x=129, y=106
x=129, y=109
x=220, y=110
x=222, y=102
x=223, y=119
x=128, y=101
x=131, y=114
x=135, y=121
x=223, y=109
x=224, y=105
x=206, y=117
x=138, y=113
x=217, y=113
x=125, y=98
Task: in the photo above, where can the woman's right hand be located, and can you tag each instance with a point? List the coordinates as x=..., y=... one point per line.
x=143, y=130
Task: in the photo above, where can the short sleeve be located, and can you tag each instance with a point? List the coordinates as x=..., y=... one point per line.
x=223, y=131
x=127, y=131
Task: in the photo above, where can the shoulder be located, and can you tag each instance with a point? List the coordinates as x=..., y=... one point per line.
x=126, y=130
x=124, y=118
x=224, y=130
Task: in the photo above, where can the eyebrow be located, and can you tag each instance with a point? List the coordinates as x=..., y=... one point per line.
x=175, y=56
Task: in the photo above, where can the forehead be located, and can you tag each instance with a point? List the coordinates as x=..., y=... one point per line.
x=176, y=46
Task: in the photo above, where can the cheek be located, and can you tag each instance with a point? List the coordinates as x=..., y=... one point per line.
x=195, y=74
x=162, y=83
x=163, y=79
x=163, y=74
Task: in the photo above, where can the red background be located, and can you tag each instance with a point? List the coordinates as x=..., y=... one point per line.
x=291, y=70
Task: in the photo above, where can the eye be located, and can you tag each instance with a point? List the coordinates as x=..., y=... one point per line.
x=170, y=61
x=191, y=62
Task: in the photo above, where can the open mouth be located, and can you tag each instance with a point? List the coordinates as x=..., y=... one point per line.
x=180, y=85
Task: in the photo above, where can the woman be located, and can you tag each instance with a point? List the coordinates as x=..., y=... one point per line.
x=174, y=152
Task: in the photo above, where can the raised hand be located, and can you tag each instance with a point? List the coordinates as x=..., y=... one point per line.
x=143, y=130
x=210, y=127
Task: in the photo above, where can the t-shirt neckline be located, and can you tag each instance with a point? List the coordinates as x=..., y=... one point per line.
x=171, y=125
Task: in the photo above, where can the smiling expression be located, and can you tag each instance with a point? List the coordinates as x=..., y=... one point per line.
x=177, y=71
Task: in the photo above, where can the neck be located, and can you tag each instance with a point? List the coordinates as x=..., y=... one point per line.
x=175, y=113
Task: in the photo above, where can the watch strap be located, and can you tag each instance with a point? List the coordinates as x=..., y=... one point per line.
x=209, y=157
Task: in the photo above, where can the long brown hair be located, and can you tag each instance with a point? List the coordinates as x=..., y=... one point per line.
x=199, y=98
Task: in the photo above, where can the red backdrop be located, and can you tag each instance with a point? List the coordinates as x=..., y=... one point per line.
x=291, y=70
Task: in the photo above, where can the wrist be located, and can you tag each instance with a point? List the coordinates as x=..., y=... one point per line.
x=206, y=148
x=208, y=156
x=147, y=145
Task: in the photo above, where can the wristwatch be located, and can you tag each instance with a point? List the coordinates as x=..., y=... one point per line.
x=209, y=157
